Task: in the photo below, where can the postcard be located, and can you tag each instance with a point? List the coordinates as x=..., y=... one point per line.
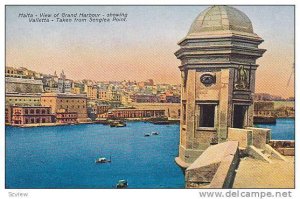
x=150, y=97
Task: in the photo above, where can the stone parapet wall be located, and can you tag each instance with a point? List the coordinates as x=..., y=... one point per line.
x=260, y=136
x=215, y=167
x=257, y=137
x=284, y=147
x=243, y=136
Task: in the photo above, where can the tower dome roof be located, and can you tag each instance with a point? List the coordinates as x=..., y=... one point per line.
x=220, y=18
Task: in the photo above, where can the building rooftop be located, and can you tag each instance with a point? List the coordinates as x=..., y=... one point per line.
x=220, y=18
x=71, y=95
x=14, y=94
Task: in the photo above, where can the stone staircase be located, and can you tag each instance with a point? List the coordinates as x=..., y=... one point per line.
x=267, y=154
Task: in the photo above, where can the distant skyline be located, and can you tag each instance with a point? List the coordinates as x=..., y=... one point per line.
x=141, y=48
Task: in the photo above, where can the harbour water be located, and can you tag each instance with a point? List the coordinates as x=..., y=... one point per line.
x=64, y=156
x=284, y=129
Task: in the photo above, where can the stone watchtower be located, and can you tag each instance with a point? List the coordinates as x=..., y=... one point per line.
x=218, y=64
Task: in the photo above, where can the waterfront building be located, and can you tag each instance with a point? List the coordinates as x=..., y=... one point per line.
x=8, y=115
x=67, y=101
x=218, y=64
x=102, y=108
x=172, y=99
x=172, y=110
x=262, y=97
x=264, y=109
x=22, y=99
x=267, y=97
x=141, y=98
x=284, y=112
x=64, y=117
x=20, y=85
x=132, y=113
x=31, y=115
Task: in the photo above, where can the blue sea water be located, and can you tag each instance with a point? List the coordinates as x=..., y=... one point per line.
x=64, y=156
x=284, y=129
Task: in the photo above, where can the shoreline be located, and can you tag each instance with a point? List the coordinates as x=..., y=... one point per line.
x=71, y=124
x=170, y=121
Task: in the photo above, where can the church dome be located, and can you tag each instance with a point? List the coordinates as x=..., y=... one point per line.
x=220, y=18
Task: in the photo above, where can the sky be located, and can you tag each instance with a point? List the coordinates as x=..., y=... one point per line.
x=142, y=47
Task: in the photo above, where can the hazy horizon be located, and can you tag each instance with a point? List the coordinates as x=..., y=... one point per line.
x=141, y=48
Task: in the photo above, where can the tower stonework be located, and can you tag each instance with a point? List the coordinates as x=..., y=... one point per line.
x=218, y=64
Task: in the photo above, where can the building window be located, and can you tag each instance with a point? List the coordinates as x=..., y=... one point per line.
x=184, y=113
x=31, y=111
x=26, y=111
x=37, y=111
x=207, y=115
x=43, y=111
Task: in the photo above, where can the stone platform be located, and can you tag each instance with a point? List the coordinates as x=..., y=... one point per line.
x=253, y=173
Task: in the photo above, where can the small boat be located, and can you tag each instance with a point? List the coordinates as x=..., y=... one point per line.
x=122, y=184
x=113, y=124
x=118, y=123
x=121, y=124
x=147, y=134
x=103, y=160
x=154, y=133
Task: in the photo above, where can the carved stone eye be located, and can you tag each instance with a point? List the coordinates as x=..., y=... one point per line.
x=207, y=79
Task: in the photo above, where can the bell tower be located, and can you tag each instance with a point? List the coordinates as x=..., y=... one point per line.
x=218, y=64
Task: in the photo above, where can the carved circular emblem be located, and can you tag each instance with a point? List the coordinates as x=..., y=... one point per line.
x=207, y=79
